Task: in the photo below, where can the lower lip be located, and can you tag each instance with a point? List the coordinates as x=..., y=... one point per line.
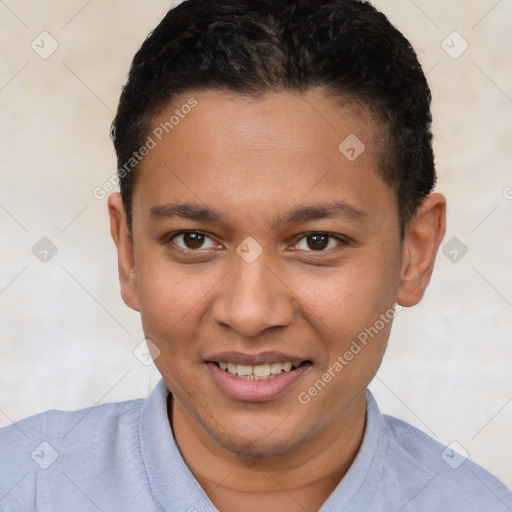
x=255, y=390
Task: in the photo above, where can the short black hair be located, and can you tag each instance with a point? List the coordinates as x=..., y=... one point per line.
x=253, y=47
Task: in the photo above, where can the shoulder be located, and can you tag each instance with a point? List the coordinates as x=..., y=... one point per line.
x=58, y=424
x=439, y=475
x=55, y=446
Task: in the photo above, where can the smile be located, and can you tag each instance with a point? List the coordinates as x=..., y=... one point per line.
x=265, y=371
x=269, y=377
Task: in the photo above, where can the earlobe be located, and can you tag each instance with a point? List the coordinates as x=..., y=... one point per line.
x=423, y=236
x=125, y=254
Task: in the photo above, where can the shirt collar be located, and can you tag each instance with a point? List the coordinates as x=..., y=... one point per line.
x=171, y=482
x=366, y=470
x=173, y=485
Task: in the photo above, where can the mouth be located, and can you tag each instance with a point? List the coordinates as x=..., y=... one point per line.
x=256, y=378
x=266, y=371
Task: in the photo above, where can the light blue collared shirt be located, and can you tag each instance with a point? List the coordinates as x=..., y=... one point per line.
x=123, y=457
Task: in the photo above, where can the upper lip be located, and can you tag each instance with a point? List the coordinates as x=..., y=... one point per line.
x=254, y=359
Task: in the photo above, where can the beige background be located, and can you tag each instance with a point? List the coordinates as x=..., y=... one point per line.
x=67, y=339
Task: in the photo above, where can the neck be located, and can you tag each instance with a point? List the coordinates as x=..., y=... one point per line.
x=298, y=481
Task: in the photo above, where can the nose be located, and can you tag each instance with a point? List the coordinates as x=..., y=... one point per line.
x=254, y=298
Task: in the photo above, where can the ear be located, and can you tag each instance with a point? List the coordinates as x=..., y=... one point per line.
x=125, y=256
x=423, y=236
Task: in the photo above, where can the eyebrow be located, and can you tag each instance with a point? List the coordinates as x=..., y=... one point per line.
x=195, y=212
x=334, y=210
x=186, y=211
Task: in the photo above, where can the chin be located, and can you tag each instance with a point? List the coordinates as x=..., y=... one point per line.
x=258, y=449
x=258, y=443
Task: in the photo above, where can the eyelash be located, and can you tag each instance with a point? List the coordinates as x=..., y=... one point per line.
x=341, y=240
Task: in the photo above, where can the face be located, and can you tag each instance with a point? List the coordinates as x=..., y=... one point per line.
x=261, y=254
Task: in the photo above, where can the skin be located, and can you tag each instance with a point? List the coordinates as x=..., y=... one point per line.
x=254, y=160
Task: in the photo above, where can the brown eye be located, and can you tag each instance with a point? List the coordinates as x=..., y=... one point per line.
x=319, y=242
x=193, y=240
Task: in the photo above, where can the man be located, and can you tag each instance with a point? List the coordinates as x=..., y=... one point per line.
x=276, y=209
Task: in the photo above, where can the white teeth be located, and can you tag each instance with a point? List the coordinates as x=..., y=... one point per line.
x=276, y=368
x=243, y=369
x=259, y=372
x=263, y=370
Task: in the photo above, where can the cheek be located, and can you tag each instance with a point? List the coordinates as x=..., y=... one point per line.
x=173, y=300
x=347, y=305
x=350, y=297
x=166, y=297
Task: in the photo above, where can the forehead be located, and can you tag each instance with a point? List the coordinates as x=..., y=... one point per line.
x=230, y=148
x=266, y=122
